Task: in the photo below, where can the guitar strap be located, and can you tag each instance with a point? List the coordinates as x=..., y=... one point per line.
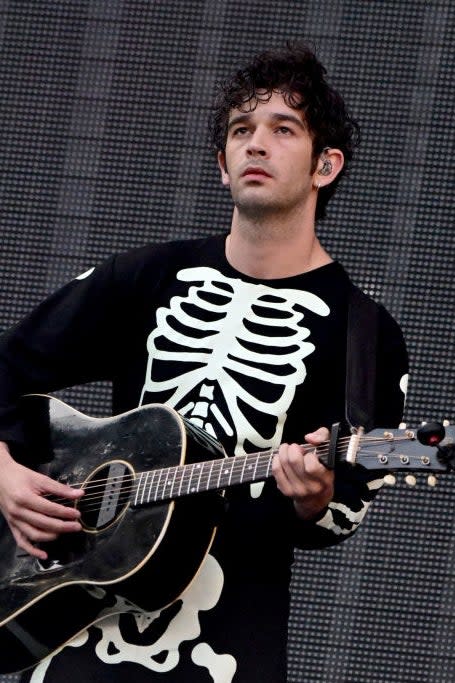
x=361, y=360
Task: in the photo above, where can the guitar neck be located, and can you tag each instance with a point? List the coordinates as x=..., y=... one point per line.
x=380, y=450
x=212, y=475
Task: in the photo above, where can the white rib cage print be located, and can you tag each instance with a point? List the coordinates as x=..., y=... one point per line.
x=226, y=331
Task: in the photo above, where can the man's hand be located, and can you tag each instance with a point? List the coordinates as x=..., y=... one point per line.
x=302, y=477
x=31, y=517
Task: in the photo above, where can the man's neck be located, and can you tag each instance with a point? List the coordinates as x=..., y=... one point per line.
x=272, y=249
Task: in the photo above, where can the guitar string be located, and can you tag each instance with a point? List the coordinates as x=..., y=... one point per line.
x=124, y=496
x=322, y=450
x=188, y=469
x=186, y=472
x=100, y=483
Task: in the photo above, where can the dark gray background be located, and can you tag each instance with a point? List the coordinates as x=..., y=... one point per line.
x=103, y=147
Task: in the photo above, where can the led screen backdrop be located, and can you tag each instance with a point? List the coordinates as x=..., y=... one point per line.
x=104, y=147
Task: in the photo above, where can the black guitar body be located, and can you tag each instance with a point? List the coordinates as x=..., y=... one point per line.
x=151, y=505
x=146, y=553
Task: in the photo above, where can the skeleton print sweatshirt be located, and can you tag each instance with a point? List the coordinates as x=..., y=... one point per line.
x=254, y=363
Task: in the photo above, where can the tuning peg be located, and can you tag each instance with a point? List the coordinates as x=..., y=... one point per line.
x=432, y=481
x=410, y=480
x=390, y=480
x=402, y=425
x=446, y=423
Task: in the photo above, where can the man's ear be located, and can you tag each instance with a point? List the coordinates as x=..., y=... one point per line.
x=328, y=166
x=223, y=168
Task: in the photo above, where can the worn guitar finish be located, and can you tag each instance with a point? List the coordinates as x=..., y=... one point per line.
x=152, y=484
x=121, y=532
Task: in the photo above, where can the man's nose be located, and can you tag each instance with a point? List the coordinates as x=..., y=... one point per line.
x=257, y=145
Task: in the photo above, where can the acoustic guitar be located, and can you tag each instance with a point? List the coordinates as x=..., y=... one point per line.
x=153, y=483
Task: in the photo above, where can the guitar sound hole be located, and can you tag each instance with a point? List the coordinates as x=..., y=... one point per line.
x=107, y=494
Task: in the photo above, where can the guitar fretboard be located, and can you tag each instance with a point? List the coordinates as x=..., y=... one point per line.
x=183, y=480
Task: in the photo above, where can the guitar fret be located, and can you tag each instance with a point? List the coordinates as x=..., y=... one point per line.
x=146, y=489
x=152, y=486
x=164, y=487
x=181, y=480
x=180, y=477
x=191, y=471
x=220, y=467
x=242, y=474
x=231, y=463
x=226, y=470
x=200, y=468
x=173, y=481
x=209, y=478
x=256, y=467
x=138, y=488
x=270, y=455
x=263, y=464
x=249, y=467
x=194, y=469
x=186, y=478
x=160, y=474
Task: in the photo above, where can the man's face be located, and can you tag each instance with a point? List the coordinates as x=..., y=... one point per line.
x=268, y=162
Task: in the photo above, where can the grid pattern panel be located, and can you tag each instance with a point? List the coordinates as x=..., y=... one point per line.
x=103, y=146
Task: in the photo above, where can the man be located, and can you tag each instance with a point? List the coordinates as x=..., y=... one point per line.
x=245, y=335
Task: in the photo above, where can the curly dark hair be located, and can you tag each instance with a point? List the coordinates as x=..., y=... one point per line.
x=297, y=74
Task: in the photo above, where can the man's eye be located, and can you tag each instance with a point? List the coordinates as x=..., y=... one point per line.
x=284, y=129
x=241, y=130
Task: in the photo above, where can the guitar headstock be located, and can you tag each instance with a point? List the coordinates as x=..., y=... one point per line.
x=430, y=448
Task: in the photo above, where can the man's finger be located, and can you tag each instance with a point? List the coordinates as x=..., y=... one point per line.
x=46, y=485
x=48, y=523
x=317, y=437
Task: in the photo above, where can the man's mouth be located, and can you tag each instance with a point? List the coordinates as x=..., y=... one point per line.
x=255, y=171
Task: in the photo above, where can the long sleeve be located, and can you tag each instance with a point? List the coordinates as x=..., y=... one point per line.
x=67, y=339
x=355, y=487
